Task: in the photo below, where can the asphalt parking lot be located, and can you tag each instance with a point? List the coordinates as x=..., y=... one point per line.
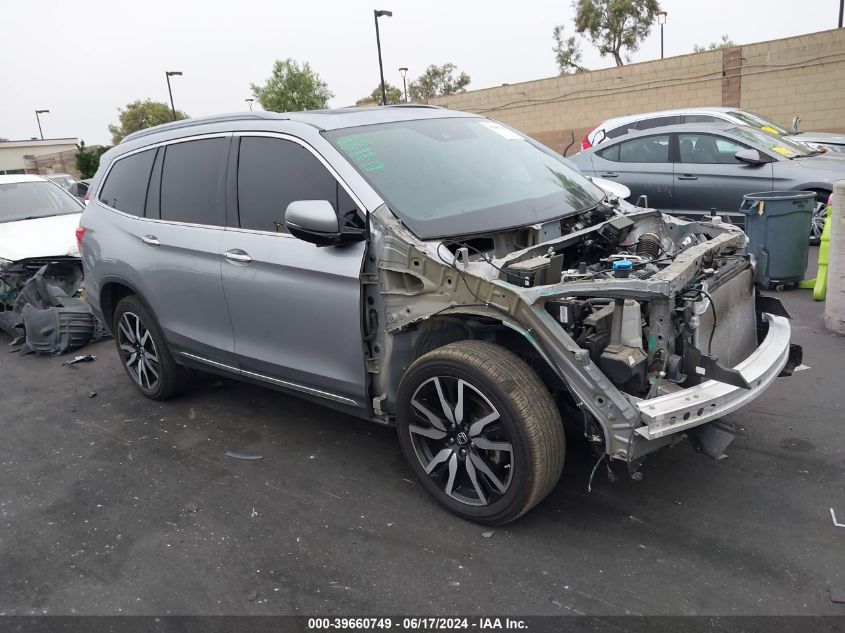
x=113, y=504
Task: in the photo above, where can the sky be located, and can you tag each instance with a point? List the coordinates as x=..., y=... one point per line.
x=83, y=64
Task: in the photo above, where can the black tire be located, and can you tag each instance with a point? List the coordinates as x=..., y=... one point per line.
x=151, y=369
x=486, y=482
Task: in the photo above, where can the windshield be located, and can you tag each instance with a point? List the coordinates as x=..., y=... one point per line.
x=761, y=123
x=459, y=176
x=30, y=200
x=772, y=143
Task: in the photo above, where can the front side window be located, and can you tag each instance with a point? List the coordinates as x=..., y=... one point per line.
x=36, y=199
x=191, y=181
x=648, y=149
x=125, y=188
x=708, y=149
x=463, y=175
x=272, y=173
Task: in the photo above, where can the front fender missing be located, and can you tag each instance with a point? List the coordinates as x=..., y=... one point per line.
x=415, y=284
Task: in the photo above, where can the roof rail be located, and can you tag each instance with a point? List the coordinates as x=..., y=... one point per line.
x=414, y=105
x=185, y=123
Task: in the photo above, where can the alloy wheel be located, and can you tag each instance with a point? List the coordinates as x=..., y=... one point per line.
x=461, y=441
x=817, y=220
x=139, y=351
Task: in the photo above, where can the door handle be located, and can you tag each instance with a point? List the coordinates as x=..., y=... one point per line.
x=150, y=240
x=610, y=174
x=237, y=256
x=687, y=177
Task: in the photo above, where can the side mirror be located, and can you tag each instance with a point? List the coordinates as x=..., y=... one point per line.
x=317, y=222
x=749, y=156
x=796, y=122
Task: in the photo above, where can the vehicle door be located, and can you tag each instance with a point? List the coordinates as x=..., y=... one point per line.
x=708, y=175
x=295, y=307
x=181, y=232
x=643, y=165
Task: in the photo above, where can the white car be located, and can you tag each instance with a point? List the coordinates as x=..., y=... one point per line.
x=40, y=266
x=38, y=219
x=615, y=127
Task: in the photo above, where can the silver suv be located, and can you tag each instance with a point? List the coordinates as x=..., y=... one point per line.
x=432, y=270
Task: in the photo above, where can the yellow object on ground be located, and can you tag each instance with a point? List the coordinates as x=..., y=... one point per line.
x=820, y=288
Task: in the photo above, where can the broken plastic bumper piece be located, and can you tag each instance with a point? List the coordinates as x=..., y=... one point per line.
x=688, y=408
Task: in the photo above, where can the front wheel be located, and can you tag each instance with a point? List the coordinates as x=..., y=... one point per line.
x=480, y=431
x=818, y=217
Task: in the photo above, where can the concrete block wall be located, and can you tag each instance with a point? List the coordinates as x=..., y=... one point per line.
x=803, y=75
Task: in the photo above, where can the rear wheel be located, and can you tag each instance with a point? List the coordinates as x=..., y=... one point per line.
x=143, y=351
x=480, y=431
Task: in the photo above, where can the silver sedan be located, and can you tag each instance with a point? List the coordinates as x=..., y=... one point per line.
x=693, y=169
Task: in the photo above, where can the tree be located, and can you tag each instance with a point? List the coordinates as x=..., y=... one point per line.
x=88, y=160
x=725, y=42
x=567, y=53
x=437, y=81
x=615, y=24
x=140, y=115
x=291, y=88
x=394, y=95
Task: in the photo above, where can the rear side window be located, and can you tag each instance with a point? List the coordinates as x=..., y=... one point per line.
x=620, y=131
x=650, y=149
x=125, y=188
x=272, y=173
x=700, y=118
x=191, y=181
x=661, y=121
x=611, y=153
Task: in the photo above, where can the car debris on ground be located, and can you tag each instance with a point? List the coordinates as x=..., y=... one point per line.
x=42, y=311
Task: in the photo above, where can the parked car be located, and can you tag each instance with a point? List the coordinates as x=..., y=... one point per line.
x=428, y=269
x=63, y=180
x=617, y=126
x=692, y=169
x=37, y=223
x=79, y=188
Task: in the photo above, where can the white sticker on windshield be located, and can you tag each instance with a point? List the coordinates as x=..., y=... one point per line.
x=502, y=131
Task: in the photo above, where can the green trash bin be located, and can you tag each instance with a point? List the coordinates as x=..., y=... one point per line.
x=778, y=228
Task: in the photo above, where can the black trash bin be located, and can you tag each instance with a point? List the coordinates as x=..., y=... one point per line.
x=778, y=228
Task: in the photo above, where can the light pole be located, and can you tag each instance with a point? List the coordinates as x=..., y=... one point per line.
x=169, y=74
x=661, y=20
x=38, y=118
x=841, y=11
x=376, y=15
x=249, y=102
x=404, y=71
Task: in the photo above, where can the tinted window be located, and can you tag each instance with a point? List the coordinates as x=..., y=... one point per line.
x=707, y=149
x=647, y=124
x=272, y=173
x=700, y=118
x=619, y=131
x=611, y=153
x=650, y=149
x=191, y=181
x=126, y=185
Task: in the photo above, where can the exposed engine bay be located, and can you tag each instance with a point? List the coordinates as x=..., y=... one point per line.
x=40, y=306
x=623, y=308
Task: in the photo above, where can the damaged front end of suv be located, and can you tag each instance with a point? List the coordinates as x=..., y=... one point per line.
x=643, y=326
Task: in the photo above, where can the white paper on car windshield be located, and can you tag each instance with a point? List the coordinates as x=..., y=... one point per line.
x=502, y=131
